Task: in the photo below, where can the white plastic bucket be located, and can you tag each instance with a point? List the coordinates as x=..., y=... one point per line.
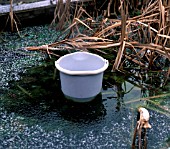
x=81, y=75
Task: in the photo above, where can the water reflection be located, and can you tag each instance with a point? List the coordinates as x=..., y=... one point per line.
x=83, y=112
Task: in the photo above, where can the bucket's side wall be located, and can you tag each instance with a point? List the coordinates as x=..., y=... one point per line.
x=85, y=86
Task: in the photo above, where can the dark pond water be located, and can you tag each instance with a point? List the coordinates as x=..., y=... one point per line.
x=35, y=114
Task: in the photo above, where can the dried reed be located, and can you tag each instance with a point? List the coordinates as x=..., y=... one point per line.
x=141, y=39
x=12, y=17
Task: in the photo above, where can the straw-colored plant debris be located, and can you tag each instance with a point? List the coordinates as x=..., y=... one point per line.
x=141, y=40
x=142, y=123
x=13, y=18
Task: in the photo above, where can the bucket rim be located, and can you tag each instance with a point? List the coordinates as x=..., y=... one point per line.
x=70, y=72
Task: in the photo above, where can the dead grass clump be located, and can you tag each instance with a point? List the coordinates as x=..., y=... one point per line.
x=141, y=39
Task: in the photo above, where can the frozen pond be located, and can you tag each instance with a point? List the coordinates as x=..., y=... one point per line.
x=35, y=114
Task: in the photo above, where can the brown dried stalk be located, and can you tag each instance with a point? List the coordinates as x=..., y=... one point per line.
x=61, y=13
x=13, y=21
x=11, y=16
x=123, y=32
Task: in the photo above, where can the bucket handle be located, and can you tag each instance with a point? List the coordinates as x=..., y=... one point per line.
x=83, y=72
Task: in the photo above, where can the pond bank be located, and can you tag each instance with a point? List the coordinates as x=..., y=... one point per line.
x=30, y=12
